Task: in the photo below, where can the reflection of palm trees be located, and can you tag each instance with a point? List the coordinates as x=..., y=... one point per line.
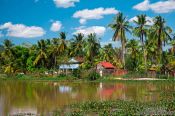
x=46, y=97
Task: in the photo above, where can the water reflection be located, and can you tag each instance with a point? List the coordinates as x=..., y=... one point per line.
x=45, y=97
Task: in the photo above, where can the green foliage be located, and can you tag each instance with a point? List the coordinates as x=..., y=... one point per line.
x=133, y=55
x=76, y=73
x=93, y=76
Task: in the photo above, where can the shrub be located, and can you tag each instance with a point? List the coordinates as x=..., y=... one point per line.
x=76, y=73
x=93, y=76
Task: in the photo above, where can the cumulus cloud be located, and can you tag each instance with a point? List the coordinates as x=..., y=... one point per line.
x=21, y=30
x=143, y=6
x=65, y=3
x=56, y=26
x=97, y=13
x=99, y=30
x=149, y=20
x=158, y=7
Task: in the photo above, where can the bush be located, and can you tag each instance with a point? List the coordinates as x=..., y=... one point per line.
x=93, y=76
x=76, y=73
x=61, y=75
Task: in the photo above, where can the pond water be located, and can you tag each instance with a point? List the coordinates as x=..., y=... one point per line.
x=44, y=97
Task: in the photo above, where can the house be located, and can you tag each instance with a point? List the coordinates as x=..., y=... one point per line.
x=71, y=65
x=105, y=68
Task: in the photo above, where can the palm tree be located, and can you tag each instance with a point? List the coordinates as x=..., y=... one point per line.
x=161, y=34
x=21, y=54
x=107, y=53
x=141, y=31
x=172, y=43
x=121, y=26
x=77, y=45
x=9, y=56
x=8, y=49
x=133, y=50
x=41, y=54
x=92, y=47
x=63, y=43
x=151, y=48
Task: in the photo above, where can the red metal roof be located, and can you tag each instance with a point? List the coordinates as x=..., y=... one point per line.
x=107, y=65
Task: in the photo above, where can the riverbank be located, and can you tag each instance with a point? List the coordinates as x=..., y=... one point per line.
x=70, y=78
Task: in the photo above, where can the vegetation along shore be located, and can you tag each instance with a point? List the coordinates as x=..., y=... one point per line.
x=142, y=54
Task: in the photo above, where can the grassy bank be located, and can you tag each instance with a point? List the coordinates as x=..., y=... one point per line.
x=71, y=78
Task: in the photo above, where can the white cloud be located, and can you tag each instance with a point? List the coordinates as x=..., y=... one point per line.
x=149, y=20
x=21, y=30
x=109, y=41
x=143, y=6
x=65, y=3
x=56, y=26
x=97, y=13
x=158, y=7
x=99, y=30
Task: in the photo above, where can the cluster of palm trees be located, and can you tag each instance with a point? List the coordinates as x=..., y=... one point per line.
x=49, y=54
x=152, y=39
x=138, y=54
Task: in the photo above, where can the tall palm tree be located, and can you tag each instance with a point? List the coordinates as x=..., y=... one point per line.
x=141, y=31
x=121, y=26
x=141, y=28
x=161, y=34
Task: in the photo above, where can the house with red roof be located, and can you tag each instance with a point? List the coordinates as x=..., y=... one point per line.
x=105, y=68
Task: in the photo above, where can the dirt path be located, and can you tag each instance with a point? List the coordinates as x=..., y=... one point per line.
x=149, y=79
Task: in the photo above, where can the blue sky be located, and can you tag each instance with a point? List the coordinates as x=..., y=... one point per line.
x=31, y=20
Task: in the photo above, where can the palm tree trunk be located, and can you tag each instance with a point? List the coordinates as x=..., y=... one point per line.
x=160, y=47
x=55, y=64
x=144, y=52
x=145, y=59
x=123, y=53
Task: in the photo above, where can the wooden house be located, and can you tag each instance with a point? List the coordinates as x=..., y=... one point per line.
x=105, y=68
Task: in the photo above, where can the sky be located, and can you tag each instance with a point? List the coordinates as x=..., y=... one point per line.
x=31, y=20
